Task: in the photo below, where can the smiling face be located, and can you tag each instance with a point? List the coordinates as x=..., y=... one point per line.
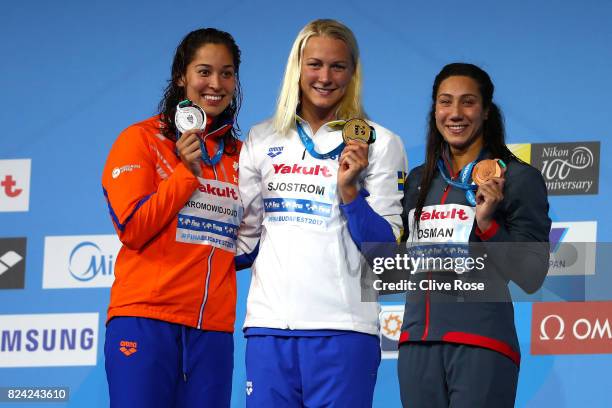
x=460, y=113
x=325, y=73
x=210, y=79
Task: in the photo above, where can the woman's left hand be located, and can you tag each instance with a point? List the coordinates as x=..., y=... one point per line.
x=488, y=197
x=353, y=160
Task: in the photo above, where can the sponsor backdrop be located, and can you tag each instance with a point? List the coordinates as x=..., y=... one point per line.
x=74, y=74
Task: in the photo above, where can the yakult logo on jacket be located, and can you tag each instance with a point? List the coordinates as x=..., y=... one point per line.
x=305, y=170
x=571, y=328
x=443, y=223
x=444, y=215
x=218, y=191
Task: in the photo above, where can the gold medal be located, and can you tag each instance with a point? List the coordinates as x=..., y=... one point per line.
x=485, y=170
x=357, y=129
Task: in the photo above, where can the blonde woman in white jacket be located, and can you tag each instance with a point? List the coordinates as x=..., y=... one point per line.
x=310, y=201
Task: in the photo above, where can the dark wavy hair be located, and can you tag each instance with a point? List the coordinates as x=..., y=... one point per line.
x=173, y=94
x=493, y=130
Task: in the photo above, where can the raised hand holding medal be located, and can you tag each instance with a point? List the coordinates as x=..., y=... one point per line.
x=191, y=121
x=489, y=176
x=357, y=136
x=189, y=151
x=487, y=169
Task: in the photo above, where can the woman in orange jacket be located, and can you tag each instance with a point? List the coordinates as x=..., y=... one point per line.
x=171, y=186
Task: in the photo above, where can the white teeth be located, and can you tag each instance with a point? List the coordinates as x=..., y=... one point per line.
x=213, y=97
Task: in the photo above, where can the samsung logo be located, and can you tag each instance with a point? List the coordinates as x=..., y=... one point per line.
x=46, y=340
x=49, y=340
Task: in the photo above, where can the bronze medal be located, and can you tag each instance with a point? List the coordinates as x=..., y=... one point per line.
x=357, y=129
x=485, y=170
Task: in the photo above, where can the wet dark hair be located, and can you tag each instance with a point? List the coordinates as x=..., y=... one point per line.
x=493, y=130
x=173, y=94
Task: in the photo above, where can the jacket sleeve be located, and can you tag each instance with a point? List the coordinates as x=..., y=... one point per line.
x=252, y=201
x=363, y=223
x=518, y=237
x=139, y=207
x=375, y=215
x=409, y=199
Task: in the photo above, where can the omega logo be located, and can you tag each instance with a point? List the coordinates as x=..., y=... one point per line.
x=582, y=329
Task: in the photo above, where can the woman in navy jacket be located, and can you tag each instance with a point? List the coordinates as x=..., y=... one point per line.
x=458, y=346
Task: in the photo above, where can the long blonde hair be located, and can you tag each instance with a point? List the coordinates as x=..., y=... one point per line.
x=289, y=97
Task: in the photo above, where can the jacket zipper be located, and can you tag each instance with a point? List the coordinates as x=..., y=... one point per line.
x=208, y=273
x=427, y=299
x=427, y=311
x=446, y=189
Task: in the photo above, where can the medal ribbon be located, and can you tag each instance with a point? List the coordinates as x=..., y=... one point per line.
x=211, y=161
x=309, y=145
x=465, y=178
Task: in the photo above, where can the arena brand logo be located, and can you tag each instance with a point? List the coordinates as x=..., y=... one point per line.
x=12, y=263
x=128, y=347
x=571, y=328
x=390, y=328
x=275, y=151
x=15, y=185
x=8, y=260
x=80, y=261
x=47, y=340
x=219, y=191
x=572, y=248
x=305, y=170
x=568, y=168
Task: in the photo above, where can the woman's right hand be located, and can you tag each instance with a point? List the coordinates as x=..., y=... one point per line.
x=188, y=147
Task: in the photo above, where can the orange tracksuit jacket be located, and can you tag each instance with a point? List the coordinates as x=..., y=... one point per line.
x=156, y=275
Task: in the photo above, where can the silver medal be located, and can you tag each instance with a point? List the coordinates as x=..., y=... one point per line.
x=189, y=116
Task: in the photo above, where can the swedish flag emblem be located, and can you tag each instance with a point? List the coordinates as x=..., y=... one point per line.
x=401, y=177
